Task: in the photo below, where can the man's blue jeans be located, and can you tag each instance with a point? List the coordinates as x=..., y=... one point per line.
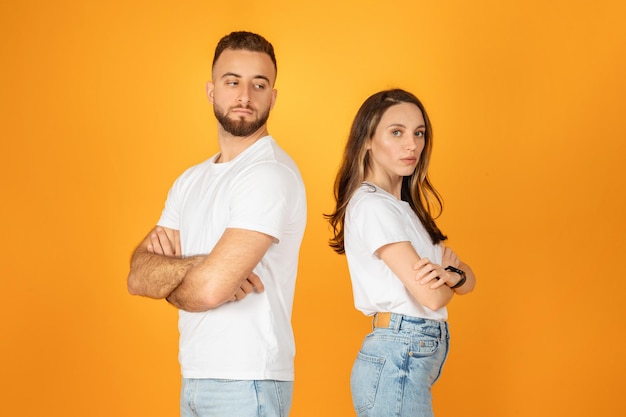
x=225, y=398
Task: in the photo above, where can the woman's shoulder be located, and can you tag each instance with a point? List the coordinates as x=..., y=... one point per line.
x=371, y=192
x=369, y=195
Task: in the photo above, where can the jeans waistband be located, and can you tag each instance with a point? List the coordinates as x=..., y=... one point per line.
x=397, y=322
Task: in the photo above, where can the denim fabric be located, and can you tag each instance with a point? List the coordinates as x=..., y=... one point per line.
x=235, y=398
x=396, y=367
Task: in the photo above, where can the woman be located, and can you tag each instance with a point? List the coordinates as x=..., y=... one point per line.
x=402, y=274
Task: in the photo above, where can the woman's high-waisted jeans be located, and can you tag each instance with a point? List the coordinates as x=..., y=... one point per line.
x=396, y=367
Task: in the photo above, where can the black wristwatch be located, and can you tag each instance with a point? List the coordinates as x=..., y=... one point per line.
x=460, y=272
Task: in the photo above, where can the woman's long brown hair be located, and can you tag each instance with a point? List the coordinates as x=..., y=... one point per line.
x=417, y=189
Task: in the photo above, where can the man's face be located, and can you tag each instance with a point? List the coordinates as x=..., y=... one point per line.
x=242, y=91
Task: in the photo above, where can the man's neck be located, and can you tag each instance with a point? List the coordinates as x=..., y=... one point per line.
x=231, y=146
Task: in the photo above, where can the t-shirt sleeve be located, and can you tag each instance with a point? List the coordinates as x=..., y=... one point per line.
x=378, y=222
x=170, y=216
x=263, y=199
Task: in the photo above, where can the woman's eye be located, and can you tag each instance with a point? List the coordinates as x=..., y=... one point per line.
x=419, y=133
x=396, y=133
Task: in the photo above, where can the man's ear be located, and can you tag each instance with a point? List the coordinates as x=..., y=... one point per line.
x=209, y=90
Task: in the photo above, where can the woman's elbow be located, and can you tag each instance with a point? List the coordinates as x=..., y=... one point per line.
x=435, y=305
x=439, y=300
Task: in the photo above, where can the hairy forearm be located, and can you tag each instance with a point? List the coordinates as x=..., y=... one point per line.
x=221, y=274
x=201, y=289
x=188, y=297
x=156, y=276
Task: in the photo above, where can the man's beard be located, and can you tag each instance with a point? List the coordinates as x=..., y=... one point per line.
x=239, y=127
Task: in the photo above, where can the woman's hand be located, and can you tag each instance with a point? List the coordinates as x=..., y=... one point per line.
x=437, y=275
x=448, y=257
x=433, y=274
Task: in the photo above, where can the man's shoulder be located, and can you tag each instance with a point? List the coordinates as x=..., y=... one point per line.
x=198, y=168
x=270, y=158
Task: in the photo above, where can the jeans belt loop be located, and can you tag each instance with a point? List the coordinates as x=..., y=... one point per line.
x=397, y=322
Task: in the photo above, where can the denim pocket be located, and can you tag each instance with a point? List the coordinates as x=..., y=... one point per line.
x=424, y=346
x=364, y=381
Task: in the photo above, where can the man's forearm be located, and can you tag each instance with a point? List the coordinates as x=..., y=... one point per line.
x=194, y=294
x=156, y=276
x=221, y=275
x=185, y=298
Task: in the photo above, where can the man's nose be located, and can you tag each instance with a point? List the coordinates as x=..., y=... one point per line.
x=244, y=95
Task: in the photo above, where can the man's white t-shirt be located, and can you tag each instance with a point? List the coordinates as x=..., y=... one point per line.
x=375, y=218
x=261, y=190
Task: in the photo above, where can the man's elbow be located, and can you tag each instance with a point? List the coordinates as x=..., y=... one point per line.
x=213, y=299
x=132, y=285
x=198, y=305
x=201, y=300
x=136, y=287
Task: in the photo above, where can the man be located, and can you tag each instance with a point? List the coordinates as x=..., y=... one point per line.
x=225, y=250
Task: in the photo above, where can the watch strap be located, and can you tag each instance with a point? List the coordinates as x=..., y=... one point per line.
x=460, y=272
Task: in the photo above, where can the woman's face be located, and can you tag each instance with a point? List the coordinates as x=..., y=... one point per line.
x=398, y=142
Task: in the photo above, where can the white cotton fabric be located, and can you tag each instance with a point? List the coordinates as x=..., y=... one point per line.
x=375, y=218
x=260, y=190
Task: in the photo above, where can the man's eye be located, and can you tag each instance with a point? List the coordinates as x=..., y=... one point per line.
x=260, y=86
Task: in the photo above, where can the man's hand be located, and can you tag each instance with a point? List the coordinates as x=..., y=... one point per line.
x=253, y=283
x=156, y=267
x=165, y=244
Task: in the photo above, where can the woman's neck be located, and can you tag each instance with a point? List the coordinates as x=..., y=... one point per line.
x=391, y=185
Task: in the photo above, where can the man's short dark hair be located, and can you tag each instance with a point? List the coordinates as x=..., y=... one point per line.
x=247, y=41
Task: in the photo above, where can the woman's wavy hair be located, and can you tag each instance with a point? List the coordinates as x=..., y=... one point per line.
x=417, y=189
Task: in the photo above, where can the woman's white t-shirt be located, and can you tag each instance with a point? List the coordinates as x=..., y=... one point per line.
x=375, y=218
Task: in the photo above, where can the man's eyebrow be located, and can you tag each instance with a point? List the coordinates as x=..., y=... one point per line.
x=262, y=77
x=231, y=74
x=256, y=77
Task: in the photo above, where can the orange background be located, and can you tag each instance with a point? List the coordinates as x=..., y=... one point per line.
x=103, y=105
